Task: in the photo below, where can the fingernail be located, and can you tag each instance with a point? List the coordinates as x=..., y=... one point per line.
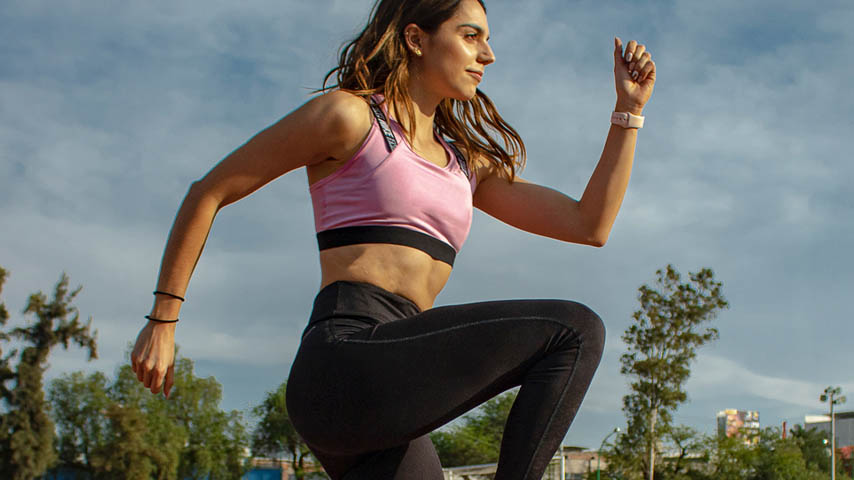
x=635, y=75
x=629, y=57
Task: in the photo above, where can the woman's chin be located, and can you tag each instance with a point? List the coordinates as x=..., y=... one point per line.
x=464, y=96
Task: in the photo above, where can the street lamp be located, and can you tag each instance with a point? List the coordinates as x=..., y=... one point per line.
x=599, y=453
x=828, y=396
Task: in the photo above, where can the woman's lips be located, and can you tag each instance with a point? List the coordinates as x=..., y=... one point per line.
x=477, y=75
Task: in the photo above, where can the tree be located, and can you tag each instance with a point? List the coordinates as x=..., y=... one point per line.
x=686, y=444
x=812, y=443
x=668, y=330
x=478, y=439
x=123, y=431
x=275, y=434
x=782, y=459
x=730, y=458
x=79, y=408
x=26, y=430
x=215, y=440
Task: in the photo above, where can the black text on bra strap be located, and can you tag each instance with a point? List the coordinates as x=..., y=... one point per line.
x=390, y=141
x=338, y=237
x=460, y=159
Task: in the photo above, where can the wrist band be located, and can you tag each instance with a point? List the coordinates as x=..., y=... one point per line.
x=159, y=320
x=158, y=292
x=627, y=120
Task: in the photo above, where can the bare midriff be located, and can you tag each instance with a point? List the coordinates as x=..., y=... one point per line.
x=402, y=270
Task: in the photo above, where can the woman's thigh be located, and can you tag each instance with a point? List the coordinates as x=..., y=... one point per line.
x=381, y=386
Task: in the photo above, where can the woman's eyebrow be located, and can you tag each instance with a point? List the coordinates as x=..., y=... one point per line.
x=478, y=28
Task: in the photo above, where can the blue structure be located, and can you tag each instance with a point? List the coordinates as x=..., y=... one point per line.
x=263, y=474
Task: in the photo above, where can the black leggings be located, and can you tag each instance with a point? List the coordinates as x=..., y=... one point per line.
x=374, y=376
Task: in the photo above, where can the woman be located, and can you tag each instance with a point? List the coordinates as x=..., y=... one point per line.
x=378, y=367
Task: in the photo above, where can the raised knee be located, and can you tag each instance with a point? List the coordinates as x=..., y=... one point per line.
x=584, y=323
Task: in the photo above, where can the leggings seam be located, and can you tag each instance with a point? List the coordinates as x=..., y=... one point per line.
x=455, y=327
x=554, y=412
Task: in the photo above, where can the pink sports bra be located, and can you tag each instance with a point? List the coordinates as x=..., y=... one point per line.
x=387, y=194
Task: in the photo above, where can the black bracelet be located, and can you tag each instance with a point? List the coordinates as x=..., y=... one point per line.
x=156, y=292
x=159, y=320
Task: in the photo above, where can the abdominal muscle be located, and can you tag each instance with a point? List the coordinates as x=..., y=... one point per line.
x=402, y=270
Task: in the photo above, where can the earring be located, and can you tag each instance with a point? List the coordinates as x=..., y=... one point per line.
x=418, y=52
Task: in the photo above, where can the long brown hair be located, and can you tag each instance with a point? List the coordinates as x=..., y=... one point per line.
x=377, y=61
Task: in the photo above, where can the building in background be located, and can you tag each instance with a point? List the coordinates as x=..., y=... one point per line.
x=741, y=423
x=844, y=427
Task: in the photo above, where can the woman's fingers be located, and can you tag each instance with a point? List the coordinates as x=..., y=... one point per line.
x=637, y=55
x=636, y=67
x=157, y=376
x=630, y=51
x=148, y=375
x=646, y=71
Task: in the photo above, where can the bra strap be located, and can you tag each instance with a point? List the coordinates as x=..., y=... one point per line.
x=390, y=141
x=461, y=159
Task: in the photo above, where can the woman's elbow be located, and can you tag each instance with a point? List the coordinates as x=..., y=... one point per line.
x=597, y=238
x=201, y=192
x=597, y=241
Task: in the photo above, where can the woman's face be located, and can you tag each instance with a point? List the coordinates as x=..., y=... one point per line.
x=454, y=56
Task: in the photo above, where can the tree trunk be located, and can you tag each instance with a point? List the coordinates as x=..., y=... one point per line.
x=652, y=419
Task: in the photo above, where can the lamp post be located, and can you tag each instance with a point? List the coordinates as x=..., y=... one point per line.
x=828, y=396
x=599, y=453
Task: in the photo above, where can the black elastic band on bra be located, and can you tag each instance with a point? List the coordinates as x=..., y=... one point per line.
x=338, y=237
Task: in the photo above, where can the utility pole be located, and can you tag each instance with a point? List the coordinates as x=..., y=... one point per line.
x=832, y=395
x=599, y=453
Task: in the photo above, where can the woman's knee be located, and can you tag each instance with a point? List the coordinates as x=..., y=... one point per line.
x=582, y=322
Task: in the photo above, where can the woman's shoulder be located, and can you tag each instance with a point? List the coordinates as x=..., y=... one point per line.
x=343, y=116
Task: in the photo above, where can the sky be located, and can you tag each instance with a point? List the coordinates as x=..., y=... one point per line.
x=109, y=110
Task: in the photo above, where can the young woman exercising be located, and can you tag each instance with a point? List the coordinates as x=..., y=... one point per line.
x=397, y=154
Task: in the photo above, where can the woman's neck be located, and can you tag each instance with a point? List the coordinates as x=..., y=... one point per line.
x=424, y=110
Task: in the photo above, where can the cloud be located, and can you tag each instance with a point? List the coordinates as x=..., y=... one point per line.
x=109, y=112
x=713, y=374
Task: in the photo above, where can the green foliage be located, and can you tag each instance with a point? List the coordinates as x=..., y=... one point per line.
x=79, y=407
x=812, y=444
x=730, y=458
x=478, y=439
x=779, y=459
x=26, y=430
x=719, y=457
x=662, y=342
x=122, y=430
x=275, y=435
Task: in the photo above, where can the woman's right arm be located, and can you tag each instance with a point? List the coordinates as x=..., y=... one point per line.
x=326, y=127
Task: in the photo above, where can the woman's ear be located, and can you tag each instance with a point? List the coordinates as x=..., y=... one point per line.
x=414, y=38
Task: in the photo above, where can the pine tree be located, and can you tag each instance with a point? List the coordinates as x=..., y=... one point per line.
x=26, y=430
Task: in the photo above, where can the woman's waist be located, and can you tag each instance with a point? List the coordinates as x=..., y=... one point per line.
x=398, y=269
x=345, y=305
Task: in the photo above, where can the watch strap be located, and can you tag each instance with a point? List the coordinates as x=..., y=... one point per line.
x=627, y=120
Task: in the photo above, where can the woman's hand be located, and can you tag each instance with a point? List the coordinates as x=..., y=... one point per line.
x=153, y=356
x=634, y=74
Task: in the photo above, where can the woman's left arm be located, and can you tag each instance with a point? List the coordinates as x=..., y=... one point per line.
x=544, y=211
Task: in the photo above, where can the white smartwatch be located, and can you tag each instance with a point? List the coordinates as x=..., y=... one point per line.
x=626, y=120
